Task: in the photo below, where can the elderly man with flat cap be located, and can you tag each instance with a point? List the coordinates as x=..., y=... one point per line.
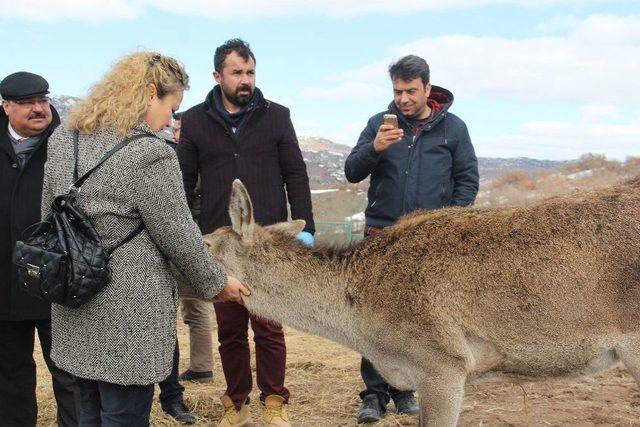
x=26, y=121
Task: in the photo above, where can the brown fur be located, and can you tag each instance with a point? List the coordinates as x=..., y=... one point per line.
x=539, y=291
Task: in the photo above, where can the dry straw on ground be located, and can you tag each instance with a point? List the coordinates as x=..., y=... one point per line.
x=323, y=378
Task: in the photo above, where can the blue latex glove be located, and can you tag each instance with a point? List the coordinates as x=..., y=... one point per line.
x=306, y=238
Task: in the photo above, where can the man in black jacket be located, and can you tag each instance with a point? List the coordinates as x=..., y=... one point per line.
x=426, y=162
x=26, y=122
x=237, y=133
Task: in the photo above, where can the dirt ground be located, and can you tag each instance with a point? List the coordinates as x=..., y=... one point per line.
x=324, y=381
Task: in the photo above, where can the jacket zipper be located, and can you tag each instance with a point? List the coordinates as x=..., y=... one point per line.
x=412, y=150
x=408, y=164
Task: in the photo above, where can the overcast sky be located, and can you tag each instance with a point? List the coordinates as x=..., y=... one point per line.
x=549, y=79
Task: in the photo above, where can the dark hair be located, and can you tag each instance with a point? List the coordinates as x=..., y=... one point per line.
x=177, y=116
x=410, y=67
x=238, y=46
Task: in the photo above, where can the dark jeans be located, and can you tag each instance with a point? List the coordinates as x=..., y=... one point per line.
x=170, y=389
x=376, y=384
x=271, y=353
x=18, y=406
x=105, y=404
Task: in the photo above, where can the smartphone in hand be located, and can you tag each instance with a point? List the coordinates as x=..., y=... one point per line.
x=390, y=119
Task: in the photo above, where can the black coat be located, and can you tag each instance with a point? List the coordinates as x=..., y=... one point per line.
x=20, y=199
x=436, y=169
x=265, y=155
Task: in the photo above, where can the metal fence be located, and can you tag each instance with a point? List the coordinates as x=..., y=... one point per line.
x=336, y=232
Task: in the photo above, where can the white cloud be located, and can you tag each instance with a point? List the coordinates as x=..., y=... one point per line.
x=599, y=112
x=50, y=10
x=599, y=59
x=53, y=10
x=346, y=90
x=333, y=8
x=558, y=140
x=559, y=24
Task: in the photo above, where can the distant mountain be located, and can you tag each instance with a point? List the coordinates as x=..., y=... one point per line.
x=325, y=162
x=324, y=159
x=314, y=143
x=490, y=167
x=63, y=104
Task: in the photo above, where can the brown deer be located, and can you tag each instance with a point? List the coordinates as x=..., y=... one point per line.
x=443, y=297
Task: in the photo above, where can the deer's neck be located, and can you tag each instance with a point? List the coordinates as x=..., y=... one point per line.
x=306, y=292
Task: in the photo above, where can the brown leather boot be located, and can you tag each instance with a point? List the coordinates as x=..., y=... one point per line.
x=233, y=417
x=274, y=413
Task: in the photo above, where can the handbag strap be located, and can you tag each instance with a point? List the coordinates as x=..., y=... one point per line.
x=77, y=182
x=130, y=236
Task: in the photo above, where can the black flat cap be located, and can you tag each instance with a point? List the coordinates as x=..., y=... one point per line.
x=23, y=85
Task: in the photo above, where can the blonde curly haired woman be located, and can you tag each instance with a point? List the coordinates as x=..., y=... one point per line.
x=121, y=342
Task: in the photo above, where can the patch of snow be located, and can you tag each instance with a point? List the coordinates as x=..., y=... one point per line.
x=328, y=190
x=356, y=217
x=580, y=174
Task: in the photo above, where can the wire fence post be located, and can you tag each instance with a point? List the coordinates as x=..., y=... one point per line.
x=348, y=231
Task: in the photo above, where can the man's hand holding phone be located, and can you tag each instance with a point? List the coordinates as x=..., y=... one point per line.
x=388, y=133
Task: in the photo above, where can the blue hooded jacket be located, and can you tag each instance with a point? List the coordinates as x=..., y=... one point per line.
x=435, y=169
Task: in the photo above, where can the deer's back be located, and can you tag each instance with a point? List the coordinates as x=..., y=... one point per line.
x=562, y=275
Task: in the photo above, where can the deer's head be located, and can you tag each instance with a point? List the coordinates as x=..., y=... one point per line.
x=234, y=245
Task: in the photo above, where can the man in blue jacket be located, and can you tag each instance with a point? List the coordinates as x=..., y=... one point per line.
x=426, y=162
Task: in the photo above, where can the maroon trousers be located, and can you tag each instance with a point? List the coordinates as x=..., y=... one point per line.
x=271, y=353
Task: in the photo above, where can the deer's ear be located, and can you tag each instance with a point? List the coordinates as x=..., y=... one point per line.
x=290, y=227
x=241, y=211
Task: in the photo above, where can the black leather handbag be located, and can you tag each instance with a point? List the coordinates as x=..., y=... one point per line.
x=63, y=260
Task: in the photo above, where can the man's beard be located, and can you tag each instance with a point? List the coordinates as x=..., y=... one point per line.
x=238, y=100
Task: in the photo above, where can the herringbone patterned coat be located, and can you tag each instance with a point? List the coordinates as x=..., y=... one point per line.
x=126, y=333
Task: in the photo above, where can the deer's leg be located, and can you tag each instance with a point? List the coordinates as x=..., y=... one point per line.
x=629, y=354
x=441, y=395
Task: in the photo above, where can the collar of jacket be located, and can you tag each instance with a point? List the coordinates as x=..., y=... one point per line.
x=171, y=143
x=212, y=111
x=441, y=95
x=5, y=141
